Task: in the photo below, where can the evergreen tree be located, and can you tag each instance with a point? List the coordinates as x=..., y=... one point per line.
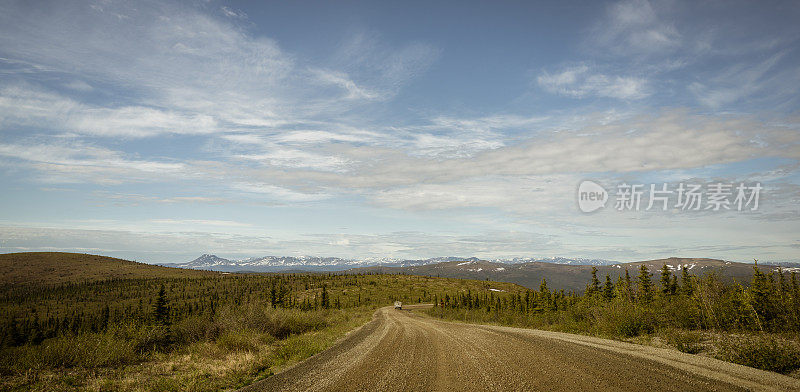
x=544, y=294
x=273, y=295
x=666, y=280
x=325, y=302
x=161, y=307
x=686, y=282
x=620, y=287
x=628, y=285
x=673, y=285
x=762, y=295
x=104, y=317
x=594, y=285
x=645, y=285
x=608, y=289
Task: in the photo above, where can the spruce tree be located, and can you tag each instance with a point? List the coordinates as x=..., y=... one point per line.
x=620, y=287
x=594, y=285
x=608, y=289
x=666, y=277
x=687, y=285
x=673, y=285
x=628, y=285
x=325, y=300
x=161, y=307
x=645, y=285
x=273, y=295
x=546, y=302
x=762, y=295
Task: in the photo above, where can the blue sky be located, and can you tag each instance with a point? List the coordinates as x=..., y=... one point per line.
x=158, y=131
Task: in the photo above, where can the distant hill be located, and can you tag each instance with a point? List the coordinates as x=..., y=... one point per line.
x=567, y=277
x=313, y=263
x=57, y=267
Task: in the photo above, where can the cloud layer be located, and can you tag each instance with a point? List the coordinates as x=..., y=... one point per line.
x=112, y=111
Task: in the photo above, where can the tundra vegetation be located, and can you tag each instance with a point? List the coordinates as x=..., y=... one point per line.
x=201, y=332
x=78, y=324
x=757, y=324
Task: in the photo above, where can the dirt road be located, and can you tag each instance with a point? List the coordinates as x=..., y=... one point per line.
x=404, y=351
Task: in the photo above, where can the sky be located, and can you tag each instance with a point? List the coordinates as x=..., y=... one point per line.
x=159, y=131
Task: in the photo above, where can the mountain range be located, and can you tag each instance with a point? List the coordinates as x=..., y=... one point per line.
x=574, y=277
x=313, y=263
x=560, y=273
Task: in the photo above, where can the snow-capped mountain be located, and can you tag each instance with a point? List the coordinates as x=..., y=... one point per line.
x=557, y=260
x=313, y=263
x=207, y=261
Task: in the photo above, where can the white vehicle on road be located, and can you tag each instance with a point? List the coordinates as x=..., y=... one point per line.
x=398, y=305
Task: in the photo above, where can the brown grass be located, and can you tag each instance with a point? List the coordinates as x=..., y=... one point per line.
x=43, y=268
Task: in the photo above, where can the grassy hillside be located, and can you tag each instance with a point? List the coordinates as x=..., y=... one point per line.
x=569, y=277
x=38, y=268
x=161, y=329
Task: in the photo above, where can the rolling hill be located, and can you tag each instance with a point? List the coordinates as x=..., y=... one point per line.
x=568, y=277
x=333, y=264
x=33, y=268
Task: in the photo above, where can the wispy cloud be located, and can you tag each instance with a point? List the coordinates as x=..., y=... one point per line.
x=746, y=80
x=187, y=72
x=203, y=222
x=278, y=193
x=636, y=26
x=80, y=162
x=205, y=114
x=580, y=82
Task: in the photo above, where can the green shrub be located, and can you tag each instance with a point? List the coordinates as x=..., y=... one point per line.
x=281, y=323
x=764, y=352
x=690, y=342
x=624, y=320
x=242, y=340
x=84, y=350
x=678, y=312
x=196, y=329
x=145, y=338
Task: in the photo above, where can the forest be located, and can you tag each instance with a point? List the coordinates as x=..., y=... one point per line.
x=189, y=333
x=222, y=331
x=754, y=323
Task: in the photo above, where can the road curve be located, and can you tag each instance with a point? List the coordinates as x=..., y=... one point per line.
x=404, y=351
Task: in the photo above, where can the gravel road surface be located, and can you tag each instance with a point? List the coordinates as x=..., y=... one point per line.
x=400, y=350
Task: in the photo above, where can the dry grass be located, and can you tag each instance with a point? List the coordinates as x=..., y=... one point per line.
x=38, y=268
x=232, y=361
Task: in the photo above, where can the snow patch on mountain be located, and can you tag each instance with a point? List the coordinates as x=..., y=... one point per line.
x=310, y=263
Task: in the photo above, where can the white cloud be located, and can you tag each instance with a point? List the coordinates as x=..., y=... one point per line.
x=298, y=159
x=80, y=162
x=79, y=85
x=521, y=195
x=636, y=27
x=203, y=222
x=669, y=140
x=341, y=80
x=278, y=193
x=28, y=106
x=186, y=72
x=252, y=120
x=742, y=80
x=385, y=68
x=580, y=82
x=232, y=13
